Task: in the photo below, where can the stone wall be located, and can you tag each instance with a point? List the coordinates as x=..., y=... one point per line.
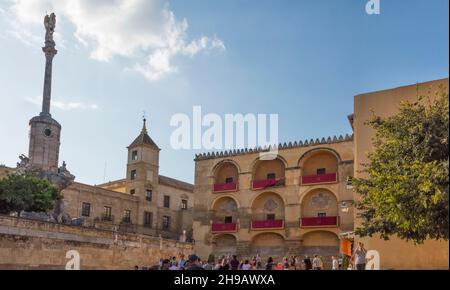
x=30, y=244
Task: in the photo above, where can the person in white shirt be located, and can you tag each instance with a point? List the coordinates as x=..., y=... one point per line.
x=335, y=263
x=173, y=267
x=246, y=265
x=317, y=263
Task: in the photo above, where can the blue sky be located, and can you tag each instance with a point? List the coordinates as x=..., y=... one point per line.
x=304, y=60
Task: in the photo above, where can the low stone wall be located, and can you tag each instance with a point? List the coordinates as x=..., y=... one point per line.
x=31, y=244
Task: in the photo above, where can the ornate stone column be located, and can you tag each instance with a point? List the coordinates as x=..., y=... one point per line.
x=50, y=52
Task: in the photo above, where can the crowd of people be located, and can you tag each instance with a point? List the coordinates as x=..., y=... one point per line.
x=231, y=262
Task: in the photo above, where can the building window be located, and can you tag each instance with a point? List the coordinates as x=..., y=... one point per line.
x=228, y=219
x=322, y=214
x=126, y=216
x=148, y=219
x=132, y=191
x=271, y=175
x=270, y=217
x=166, y=222
x=85, y=209
x=149, y=195
x=321, y=171
x=166, y=201
x=134, y=155
x=133, y=174
x=184, y=204
x=107, y=213
x=349, y=182
x=229, y=180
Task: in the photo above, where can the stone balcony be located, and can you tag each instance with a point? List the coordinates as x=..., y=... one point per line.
x=314, y=222
x=318, y=179
x=223, y=228
x=267, y=224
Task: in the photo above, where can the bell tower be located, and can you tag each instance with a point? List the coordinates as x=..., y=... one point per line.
x=143, y=164
x=143, y=174
x=45, y=132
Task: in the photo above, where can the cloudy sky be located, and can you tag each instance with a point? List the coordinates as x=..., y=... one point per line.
x=304, y=60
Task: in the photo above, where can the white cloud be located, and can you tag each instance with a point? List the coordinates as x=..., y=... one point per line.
x=143, y=31
x=65, y=106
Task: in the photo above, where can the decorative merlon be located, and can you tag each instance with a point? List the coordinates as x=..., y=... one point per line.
x=280, y=146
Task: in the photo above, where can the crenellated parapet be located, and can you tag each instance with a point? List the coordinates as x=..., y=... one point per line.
x=280, y=146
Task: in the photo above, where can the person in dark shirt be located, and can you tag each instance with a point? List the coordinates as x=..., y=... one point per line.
x=165, y=264
x=269, y=265
x=194, y=261
x=307, y=262
x=234, y=263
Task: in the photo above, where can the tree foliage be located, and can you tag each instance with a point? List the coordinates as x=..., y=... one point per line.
x=405, y=189
x=21, y=192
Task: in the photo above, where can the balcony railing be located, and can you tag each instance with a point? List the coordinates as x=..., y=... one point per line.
x=224, y=228
x=321, y=178
x=267, y=224
x=265, y=183
x=326, y=221
x=222, y=187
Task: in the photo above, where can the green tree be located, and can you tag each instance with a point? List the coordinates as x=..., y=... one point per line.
x=26, y=193
x=405, y=188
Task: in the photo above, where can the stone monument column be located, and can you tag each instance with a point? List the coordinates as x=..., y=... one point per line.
x=43, y=150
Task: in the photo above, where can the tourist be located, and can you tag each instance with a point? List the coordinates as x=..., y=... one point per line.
x=234, y=263
x=307, y=263
x=334, y=263
x=207, y=266
x=298, y=263
x=292, y=265
x=340, y=262
x=181, y=261
x=285, y=263
x=174, y=267
x=359, y=257
x=269, y=264
x=246, y=265
x=317, y=263
x=165, y=264
x=241, y=263
x=259, y=265
x=258, y=259
x=136, y=267
x=194, y=263
x=218, y=265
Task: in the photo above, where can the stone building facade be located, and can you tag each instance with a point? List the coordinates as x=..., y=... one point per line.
x=143, y=202
x=295, y=204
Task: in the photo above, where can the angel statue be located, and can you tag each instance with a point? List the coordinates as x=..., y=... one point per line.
x=49, y=23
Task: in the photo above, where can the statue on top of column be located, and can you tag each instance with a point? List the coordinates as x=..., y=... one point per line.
x=49, y=23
